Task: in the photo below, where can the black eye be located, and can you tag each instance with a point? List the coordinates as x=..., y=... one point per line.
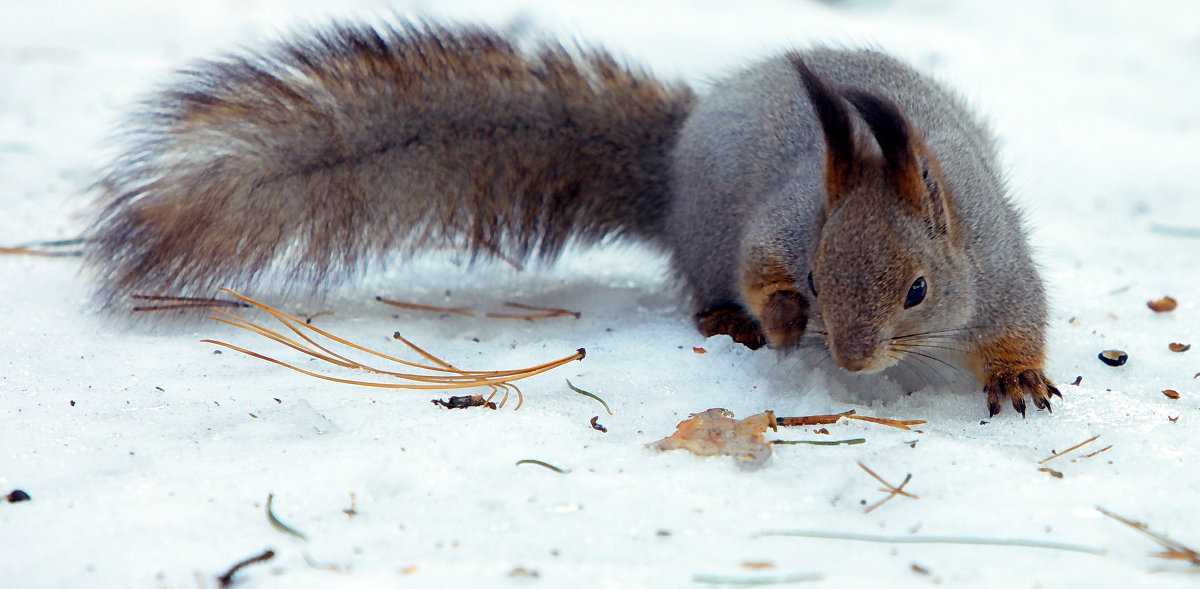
x=810, y=285
x=916, y=293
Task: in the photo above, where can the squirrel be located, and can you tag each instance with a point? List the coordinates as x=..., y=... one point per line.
x=829, y=194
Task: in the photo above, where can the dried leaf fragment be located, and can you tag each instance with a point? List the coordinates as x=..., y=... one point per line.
x=1177, y=347
x=1171, y=394
x=464, y=402
x=1163, y=305
x=716, y=432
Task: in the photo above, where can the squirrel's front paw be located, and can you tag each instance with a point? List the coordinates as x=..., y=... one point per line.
x=1015, y=384
x=732, y=320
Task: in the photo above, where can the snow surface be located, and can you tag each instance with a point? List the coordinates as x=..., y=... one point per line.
x=149, y=458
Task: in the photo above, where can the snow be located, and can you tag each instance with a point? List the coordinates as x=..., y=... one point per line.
x=149, y=458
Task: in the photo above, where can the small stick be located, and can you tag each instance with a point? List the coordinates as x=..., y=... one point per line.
x=1098, y=451
x=812, y=419
x=832, y=419
x=227, y=579
x=934, y=540
x=1072, y=448
x=540, y=463
x=464, y=311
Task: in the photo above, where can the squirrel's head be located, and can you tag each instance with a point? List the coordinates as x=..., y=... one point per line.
x=888, y=268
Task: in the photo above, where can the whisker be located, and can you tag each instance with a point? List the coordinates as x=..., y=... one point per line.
x=919, y=359
x=918, y=345
x=903, y=361
x=935, y=359
x=949, y=333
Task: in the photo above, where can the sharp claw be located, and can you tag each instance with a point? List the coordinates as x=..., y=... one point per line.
x=993, y=397
x=1053, y=390
x=1018, y=403
x=1041, y=401
x=993, y=408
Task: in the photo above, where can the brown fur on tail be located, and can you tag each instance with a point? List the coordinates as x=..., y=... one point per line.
x=331, y=151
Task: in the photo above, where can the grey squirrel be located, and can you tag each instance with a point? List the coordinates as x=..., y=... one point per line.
x=835, y=193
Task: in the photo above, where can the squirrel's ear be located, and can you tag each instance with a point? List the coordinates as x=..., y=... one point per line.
x=899, y=146
x=839, y=134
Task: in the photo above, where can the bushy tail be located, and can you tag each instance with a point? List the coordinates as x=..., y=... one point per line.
x=330, y=151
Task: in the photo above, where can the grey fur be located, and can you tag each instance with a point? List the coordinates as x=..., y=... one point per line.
x=753, y=150
x=333, y=150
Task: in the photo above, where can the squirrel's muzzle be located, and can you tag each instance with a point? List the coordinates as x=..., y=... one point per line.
x=860, y=352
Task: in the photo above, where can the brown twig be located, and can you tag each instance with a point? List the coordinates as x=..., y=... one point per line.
x=832, y=419
x=890, y=490
x=1071, y=449
x=1104, y=449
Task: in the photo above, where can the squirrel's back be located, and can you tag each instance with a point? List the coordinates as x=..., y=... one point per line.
x=324, y=153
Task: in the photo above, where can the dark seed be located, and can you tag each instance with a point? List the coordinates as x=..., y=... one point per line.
x=1176, y=347
x=1171, y=394
x=1113, y=357
x=18, y=496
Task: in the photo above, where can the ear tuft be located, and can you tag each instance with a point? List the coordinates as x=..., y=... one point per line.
x=835, y=123
x=896, y=140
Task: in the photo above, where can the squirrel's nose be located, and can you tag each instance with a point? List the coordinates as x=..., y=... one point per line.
x=857, y=354
x=856, y=363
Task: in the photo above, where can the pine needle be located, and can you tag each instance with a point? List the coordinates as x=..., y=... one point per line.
x=850, y=442
x=542, y=464
x=1071, y=449
x=587, y=394
x=1174, y=550
x=430, y=308
x=444, y=375
x=890, y=490
x=278, y=525
x=173, y=303
x=934, y=540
